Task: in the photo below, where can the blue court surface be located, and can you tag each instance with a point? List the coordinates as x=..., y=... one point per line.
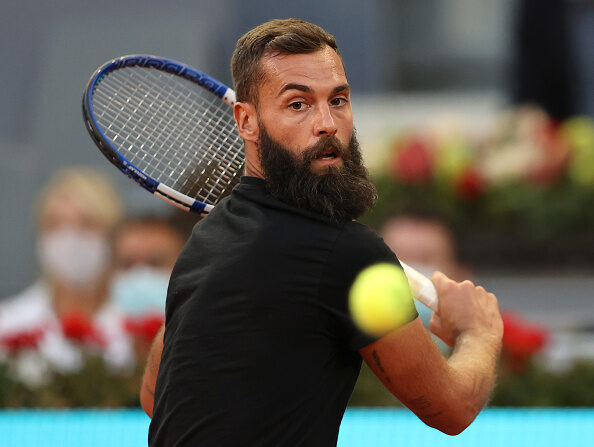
x=360, y=427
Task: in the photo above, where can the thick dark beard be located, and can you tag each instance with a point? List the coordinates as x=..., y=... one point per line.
x=341, y=193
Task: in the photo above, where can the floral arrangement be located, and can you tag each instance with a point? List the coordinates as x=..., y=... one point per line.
x=76, y=371
x=529, y=176
x=523, y=381
x=93, y=383
x=522, y=341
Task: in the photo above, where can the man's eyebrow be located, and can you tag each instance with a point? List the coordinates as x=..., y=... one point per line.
x=341, y=88
x=293, y=86
x=307, y=89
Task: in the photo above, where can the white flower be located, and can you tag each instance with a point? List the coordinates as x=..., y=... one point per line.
x=63, y=355
x=30, y=368
x=509, y=162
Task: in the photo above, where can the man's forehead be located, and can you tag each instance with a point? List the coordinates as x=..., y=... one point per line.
x=321, y=67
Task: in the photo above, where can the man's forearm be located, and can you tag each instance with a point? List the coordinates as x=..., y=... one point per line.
x=147, y=390
x=473, y=364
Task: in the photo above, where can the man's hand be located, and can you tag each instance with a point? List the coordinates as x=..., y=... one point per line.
x=464, y=309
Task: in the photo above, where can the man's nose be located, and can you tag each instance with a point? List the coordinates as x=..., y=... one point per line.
x=324, y=122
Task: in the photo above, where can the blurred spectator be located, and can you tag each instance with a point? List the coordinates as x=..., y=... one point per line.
x=68, y=308
x=145, y=250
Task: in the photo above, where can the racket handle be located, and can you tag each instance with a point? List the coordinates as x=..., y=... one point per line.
x=421, y=286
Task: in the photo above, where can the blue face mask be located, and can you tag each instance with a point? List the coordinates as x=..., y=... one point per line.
x=140, y=290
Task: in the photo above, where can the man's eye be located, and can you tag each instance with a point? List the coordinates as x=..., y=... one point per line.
x=338, y=101
x=297, y=105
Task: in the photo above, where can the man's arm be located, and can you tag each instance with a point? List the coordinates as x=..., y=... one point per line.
x=147, y=390
x=445, y=394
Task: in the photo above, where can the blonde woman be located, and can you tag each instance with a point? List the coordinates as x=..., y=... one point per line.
x=67, y=308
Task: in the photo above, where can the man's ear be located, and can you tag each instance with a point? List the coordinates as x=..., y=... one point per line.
x=247, y=121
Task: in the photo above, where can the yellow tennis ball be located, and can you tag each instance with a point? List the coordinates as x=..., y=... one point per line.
x=380, y=299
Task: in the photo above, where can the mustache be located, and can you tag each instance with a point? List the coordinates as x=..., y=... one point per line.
x=323, y=145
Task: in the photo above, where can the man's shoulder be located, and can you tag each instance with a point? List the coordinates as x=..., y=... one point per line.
x=362, y=235
x=360, y=245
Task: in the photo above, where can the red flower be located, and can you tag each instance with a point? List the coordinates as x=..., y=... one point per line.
x=78, y=327
x=22, y=340
x=413, y=162
x=144, y=326
x=470, y=185
x=521, y=340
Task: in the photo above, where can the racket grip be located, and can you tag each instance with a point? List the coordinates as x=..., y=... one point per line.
x=422, y=288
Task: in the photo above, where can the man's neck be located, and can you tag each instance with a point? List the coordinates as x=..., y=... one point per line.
x=254, y=170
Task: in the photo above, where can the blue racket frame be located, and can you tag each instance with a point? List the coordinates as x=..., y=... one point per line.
x=115, y=157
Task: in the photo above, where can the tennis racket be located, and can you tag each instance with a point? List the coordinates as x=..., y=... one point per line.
x=167, y=126
x=421, y=287
x=170, y=128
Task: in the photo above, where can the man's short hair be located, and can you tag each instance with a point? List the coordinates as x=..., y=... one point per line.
x=280, y=36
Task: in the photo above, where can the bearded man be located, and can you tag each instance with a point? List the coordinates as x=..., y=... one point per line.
x=258, y=347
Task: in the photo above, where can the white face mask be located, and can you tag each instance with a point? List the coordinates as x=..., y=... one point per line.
x=74, y=256
x=140, y=290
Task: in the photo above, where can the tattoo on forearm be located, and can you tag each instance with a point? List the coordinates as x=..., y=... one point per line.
x=377, y=361
x=421, y=404
x=430, y=416
x=379, y=365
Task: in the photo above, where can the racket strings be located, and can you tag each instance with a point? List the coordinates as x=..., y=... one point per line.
x=162, y=113
x=184, y=116
x=216, y=130
x=172, y=129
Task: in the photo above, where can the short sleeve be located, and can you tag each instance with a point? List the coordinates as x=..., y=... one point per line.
x=356, y=248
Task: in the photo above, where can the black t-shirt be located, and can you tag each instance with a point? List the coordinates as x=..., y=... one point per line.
x=259, y=347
